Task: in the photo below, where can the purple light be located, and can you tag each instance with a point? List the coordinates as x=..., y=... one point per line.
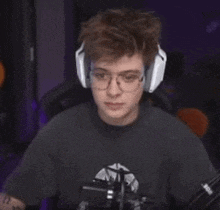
x=212, y=26
x=43, y=117
x=34, y=105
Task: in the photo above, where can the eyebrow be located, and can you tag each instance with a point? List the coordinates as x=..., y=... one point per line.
x=130, y=70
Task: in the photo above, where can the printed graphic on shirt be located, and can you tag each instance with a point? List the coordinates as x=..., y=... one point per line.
x=112, y=174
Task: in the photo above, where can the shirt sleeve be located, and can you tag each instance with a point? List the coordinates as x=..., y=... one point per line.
x=34, y=179
x=191, y=165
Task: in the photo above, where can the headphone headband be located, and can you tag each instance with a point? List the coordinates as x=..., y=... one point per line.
x=154, y=74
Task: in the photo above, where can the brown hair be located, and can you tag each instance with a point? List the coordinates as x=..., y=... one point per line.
x=117, y=32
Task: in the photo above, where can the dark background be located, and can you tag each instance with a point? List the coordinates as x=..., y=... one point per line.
x=190, y=36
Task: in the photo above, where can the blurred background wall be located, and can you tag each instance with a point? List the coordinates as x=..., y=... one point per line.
x=38, y=44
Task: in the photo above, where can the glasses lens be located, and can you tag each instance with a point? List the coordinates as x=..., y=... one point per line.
x=127, y=82
x=100, y=80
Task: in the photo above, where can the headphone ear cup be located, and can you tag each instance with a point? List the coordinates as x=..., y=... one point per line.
x=82, y=66
x=155, y=73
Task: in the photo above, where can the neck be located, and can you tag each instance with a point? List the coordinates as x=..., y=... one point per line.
x=127, y=119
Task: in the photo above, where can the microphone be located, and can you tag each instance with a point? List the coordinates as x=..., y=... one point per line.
x=111, y=195
x=208, y=197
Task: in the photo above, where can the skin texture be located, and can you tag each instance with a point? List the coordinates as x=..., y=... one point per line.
x=10, y=203
x=114, y=94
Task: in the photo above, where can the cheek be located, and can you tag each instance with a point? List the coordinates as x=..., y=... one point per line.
x=136, y=96
x=99, y=96
x=131, y=99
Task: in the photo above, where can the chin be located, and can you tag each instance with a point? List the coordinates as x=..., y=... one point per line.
x=117, y=114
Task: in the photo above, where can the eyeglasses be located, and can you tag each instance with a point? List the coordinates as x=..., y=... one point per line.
x=128, y=82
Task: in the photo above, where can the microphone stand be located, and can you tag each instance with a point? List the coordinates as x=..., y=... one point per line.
x=122, y=177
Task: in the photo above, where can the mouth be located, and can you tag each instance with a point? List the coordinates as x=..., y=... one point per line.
x=114, y=106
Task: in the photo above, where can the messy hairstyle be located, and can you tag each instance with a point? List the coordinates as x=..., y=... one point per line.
x=114, y=33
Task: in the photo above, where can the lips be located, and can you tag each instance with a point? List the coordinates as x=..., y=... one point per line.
x=114, y=106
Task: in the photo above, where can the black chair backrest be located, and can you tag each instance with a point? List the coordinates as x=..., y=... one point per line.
x=160, y=99
x=62, y=97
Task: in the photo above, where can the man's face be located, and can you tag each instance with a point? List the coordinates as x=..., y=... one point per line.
x=128, y=112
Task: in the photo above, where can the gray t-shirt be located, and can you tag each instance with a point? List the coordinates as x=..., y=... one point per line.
x=165, y=160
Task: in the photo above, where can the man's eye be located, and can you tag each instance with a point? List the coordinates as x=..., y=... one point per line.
x=130, y=77
x=100, y=75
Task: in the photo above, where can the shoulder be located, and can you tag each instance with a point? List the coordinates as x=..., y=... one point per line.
x=171, y=129
x=63, y=123
x=165, y=121
x=72, y=115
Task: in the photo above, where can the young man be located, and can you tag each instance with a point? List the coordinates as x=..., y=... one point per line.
x=115, y=106
x=114, y=137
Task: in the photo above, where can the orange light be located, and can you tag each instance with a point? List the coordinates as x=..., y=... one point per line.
x=2, y=74
x=195, y=119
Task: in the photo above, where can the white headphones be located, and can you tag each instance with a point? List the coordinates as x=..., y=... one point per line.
x=153, y=75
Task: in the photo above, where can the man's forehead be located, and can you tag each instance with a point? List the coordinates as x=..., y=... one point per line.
x=133, y=70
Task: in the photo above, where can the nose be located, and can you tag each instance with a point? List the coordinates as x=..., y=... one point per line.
x=114, y=88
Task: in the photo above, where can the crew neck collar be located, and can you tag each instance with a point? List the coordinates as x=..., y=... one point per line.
x=113, y=131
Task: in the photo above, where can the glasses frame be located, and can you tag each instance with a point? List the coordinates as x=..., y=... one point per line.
x=141, y=79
